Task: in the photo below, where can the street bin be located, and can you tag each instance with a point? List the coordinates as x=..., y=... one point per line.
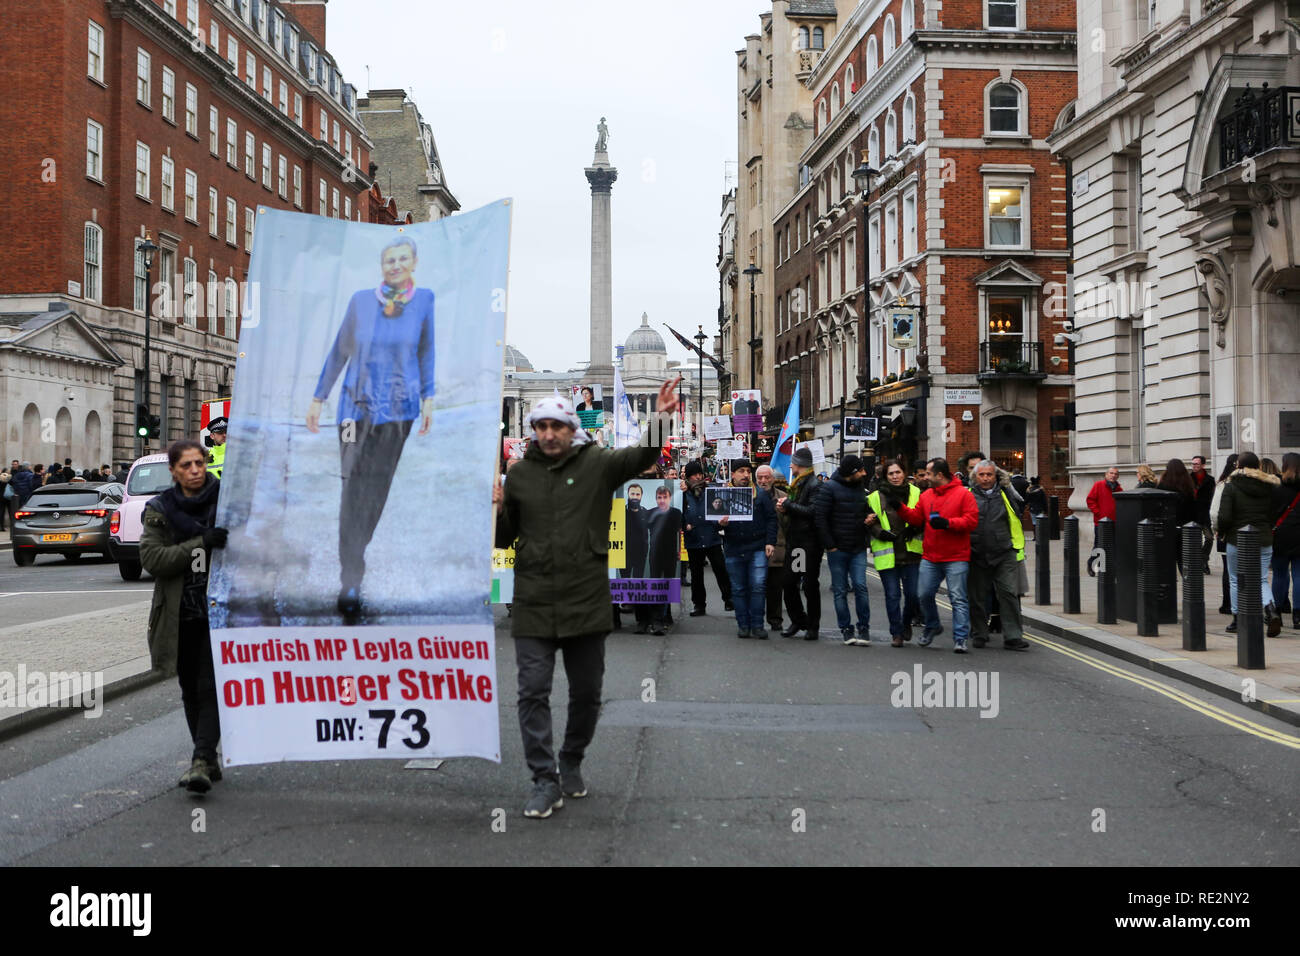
x=1132, y=507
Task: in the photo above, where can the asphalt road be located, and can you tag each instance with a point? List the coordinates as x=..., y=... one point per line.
x=55, y=587
x=776, y=752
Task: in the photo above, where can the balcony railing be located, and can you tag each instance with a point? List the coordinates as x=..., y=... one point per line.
x=1259, y=121
x=1011, y=359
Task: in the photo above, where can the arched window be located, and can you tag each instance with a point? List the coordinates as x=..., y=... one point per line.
x=908, y=19
x=873, y=148
x=836, y=195
x=803, y=38
x=909, y=118
x=849, y=165
x=849, y=86
x=821, y=115
x=891, y=134
x=94, y=256
x=835, y=98
x=818, y=38
x=871, y=57
x=889, y=36
x=1005, y=109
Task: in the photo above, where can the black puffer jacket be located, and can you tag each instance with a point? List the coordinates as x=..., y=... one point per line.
x=1286, y=540
x=1248, y=500
x=801, y=507
x=841, y=515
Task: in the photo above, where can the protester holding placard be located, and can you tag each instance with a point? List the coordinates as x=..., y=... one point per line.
x=703, y=542
x=557, y=506
x=804, y=551
x=748, y=545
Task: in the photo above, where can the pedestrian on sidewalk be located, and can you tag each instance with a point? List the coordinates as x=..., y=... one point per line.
x=896, y=549
x=842, y=525
x=1036, y=499
x=747, y=546
x=1203, y=485
x=948, y=512
x=1286, y=539
x=804, y=550
x=1178, y=480
x=703, y=542
x=775, y=486
x=1101, y=499
x=1146, y=477
x=1221, y=543
x=179, y=534
x=557, y=505
x=1248, y=500
x=997, y=554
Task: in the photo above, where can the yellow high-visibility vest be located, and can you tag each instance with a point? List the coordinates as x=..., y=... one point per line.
x=217, y=459
x=882, y=552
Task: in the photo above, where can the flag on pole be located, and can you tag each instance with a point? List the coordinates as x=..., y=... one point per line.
x=695, y=349
x=626, y=430
x=785, y=441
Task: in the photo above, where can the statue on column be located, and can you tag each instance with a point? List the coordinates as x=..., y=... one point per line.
x=602, y=135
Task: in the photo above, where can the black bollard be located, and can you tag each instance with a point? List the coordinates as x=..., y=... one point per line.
x=1250, y=606
x=1148, y=591
x=1043, y=566
x=1106, y=606
x=1054, y=516
x=1193, y=588
x=1071, y=592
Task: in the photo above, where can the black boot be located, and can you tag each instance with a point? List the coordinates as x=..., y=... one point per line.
x=1295, y=620
x=1274, y=620
x=1232, y=628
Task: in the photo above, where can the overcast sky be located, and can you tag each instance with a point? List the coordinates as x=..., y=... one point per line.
x=513, y=90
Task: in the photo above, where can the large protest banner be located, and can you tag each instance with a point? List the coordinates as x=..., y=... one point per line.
x=349, y=609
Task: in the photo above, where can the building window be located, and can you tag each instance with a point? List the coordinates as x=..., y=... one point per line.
x=1134, y=200
x=168, y=95
x=232, y=292
x=232, y=52
x=266, y=83
x=909, y=119
x=214, y=36
x=891, y=236
x=232, y=212
x=214, y=128
x=94, y=150
x=142, y=66
x=95, y=52
x=909, y=225
x=873, y=245
x=191, y=110
x=212, y=299
x=334, y=203
x=324, y=130
x=248, y=229
x=140, y=286
x=291, y=53
x=169, y=7
x=907, y=19
x=1004, y=112
x=191, y=195
x=1004, y=14
x=141, y=170
x=250, y=156
x=835, y=98
x=323, y=195
x=818, y=38
x=284, y=97
x=212, y=210
x=347, y=143
x=94, y=249
x=297, y=108
x=889, y=36
x=1006, y=221
x=335, y=138
x=282, y=177
x=1006, y=329
x=250, y=70
x=849, y=88
x=190, y=291
x=347, y=207
x=873, y=148
x=297, y=187
x=803, y=38
x=266, y=165
x=891, y=135
x=166, y=269
x=232, y=144
x=168, y=183
x=872, y=64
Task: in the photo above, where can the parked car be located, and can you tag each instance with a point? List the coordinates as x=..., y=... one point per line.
x=70, y=519
x=149, y=476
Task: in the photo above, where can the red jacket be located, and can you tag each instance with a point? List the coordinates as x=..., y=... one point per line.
x=1101, y=502
x=955, y=502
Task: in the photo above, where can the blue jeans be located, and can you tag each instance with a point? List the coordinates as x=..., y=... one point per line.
x=1285, y=568
x=849, y=569
x=748, y=573
x=931, y=575
x=1265, y=559
x=900, y=612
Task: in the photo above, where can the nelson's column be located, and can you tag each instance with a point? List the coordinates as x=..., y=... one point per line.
x=601, y=176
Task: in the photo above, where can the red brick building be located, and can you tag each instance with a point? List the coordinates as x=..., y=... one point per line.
x=966, y=223
x=176, y=119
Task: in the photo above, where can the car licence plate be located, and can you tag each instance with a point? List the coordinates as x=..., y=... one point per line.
x=58, y=537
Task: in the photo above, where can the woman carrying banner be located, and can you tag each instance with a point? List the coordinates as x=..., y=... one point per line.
x=386, y=345
x=175, y=547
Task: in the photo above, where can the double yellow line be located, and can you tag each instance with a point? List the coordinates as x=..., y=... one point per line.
x=1173, y=693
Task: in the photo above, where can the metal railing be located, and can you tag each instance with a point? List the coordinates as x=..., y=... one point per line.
x=1011, y=358
x=1258, y=121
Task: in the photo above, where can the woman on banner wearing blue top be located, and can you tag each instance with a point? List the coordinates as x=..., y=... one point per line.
x=386, y=345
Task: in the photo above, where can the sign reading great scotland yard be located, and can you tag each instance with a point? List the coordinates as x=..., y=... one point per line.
x=349, y=610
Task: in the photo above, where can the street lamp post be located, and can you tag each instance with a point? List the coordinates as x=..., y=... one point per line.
x=147, y=249
x=700, y=339
x=752, y=270
x=862, y=179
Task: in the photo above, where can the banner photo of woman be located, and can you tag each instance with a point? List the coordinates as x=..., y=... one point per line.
x=350, y=613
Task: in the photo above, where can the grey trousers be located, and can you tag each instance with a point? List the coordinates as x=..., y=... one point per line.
x=1004, y=577
x=584, y=666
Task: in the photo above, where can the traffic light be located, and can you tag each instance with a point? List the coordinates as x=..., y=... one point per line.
x=147, y=425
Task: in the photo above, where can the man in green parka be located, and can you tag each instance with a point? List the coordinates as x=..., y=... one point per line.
x=555, y=507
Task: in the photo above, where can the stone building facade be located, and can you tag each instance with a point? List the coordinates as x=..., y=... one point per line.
x=408, y=167
x=1184, y=153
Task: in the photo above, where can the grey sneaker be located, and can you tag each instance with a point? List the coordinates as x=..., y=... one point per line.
x=927, y=637
x=546, y=797
x=571, y=782
x=958, y=646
